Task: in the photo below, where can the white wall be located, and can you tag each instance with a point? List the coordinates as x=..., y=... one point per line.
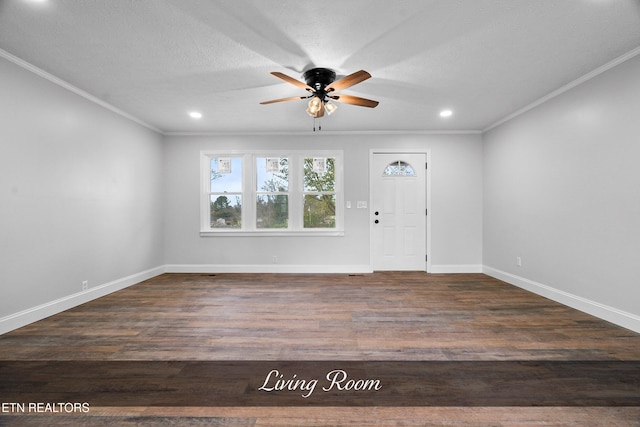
x=456, y=170
x=562, y=191
x=80, y=197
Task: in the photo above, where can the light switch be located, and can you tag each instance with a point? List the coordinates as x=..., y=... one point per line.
x=362, y=204
x=348, y=204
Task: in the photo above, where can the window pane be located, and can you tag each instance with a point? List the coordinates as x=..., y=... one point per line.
x=399, y=169
x=272, y=211
x=273, y=174
x=319, y=174
x=226, y=175
x=226, y=211
x=320, y=211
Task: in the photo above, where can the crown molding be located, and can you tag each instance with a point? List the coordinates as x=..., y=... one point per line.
x=609, y=65
x=327, y=133
x=68, y=86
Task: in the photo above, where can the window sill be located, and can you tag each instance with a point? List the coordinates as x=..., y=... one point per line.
x=272, y=233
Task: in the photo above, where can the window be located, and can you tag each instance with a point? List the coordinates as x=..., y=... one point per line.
x=272, y=190
x=272, y=193
x=225, y=195
x=399, y=168
x=319, y=193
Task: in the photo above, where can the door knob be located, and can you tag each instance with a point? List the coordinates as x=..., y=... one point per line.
x=376, y=221
x=376, y=213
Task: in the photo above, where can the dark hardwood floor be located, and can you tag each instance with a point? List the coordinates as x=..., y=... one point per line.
x=390, y=316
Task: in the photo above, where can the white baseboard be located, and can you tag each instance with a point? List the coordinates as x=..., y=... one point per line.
x=456, y=268
x=25, y=317
x=284, y=268
x=267, y=268
x=605, y=312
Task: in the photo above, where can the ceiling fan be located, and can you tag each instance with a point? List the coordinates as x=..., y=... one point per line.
x=321, y=84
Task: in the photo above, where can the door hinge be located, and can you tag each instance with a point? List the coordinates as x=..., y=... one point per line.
x=426, y=257
x=426, y=211
x=426, y=165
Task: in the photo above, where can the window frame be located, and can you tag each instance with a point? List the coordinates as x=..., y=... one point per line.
x=249, y=193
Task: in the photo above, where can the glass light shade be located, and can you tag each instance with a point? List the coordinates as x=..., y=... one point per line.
x=314, y=106
x=330, y=107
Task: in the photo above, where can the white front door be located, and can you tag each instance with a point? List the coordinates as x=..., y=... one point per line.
x=398, y=212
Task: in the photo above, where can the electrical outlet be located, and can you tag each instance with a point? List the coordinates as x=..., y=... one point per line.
x=85, y=285
x=274, y=259
x=518, y=261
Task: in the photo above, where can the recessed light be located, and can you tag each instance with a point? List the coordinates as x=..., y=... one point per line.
x=195, y=115
x=446, y=113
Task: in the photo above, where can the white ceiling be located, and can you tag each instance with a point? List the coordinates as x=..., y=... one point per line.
x=159, y=59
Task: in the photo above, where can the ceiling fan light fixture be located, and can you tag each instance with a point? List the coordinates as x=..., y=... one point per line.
x=314, y=106
x=330, y=107
x=322, y=85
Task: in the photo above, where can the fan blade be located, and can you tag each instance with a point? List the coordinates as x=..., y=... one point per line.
x=291, y=98
x=355, y=100
x=292, y=81
x=348, y=81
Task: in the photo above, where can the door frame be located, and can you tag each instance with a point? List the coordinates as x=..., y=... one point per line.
x=427, y=156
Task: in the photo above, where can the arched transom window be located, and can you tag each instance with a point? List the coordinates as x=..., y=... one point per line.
x=399, y=168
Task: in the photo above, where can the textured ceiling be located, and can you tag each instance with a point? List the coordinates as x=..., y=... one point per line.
x=158, y=59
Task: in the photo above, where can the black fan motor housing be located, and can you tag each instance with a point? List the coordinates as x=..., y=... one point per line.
x=319, y=78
